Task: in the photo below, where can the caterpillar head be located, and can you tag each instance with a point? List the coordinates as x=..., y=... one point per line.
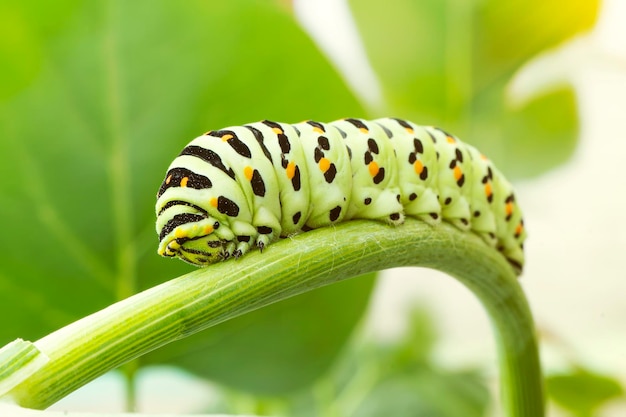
x=196, y=241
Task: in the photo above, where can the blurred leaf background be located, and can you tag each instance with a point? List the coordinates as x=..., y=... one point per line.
x=97, y=97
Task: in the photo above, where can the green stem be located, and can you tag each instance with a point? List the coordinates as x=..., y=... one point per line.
x=130, y=373
x=128, y=329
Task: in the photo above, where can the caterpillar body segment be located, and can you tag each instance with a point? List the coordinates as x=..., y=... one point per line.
x=327, y=164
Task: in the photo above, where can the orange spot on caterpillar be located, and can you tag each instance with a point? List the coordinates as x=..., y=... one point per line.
x=364, y=130
x=418, y=167
x=277, y=130
x=508, y=209
x=373, y=168
x=483, y=157
x=169, y=178
x=291, y=170
x=317, y=130
x=324, y=164
x=450, y=139
x=409, y=130
x=213, y=202
x=226, y=137
x=183, y=182
x=488, y=189
x=458, y=173
x=208, y=230
x=247, y=171
x=518, y=230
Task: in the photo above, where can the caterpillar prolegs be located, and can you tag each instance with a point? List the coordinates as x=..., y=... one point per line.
x=241, y=187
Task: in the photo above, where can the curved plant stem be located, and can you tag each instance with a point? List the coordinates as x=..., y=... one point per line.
x=128, y=329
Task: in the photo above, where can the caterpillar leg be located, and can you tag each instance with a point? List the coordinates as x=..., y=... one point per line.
x=327, y=210
x=267, y=227
x=456, y=210
x=236, y=238
x=484, y=224
x=376, y=203
x=422, y=203
x=515, y=256
x=243, y=246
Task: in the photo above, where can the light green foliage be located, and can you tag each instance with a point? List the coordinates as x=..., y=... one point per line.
x=583, y=392
x=447, y=63
x=23, y=26
x=408, y=383
x=396, y=378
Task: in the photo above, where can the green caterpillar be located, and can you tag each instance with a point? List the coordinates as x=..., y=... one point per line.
x=240, y=187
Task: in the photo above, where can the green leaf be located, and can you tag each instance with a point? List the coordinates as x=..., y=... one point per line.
x=403, y=39
x=416, y=346
x=119, y=88
x=396, y=378
x=529, y=140
x=428, y=394
x=583, y=392
x=21, y=54
x=411, y=385
x=448, y=63
x=510, y=33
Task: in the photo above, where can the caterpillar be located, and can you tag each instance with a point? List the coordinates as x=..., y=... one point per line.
x=237, y=188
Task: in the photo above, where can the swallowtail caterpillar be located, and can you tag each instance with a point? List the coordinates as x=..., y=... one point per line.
x=242, y=187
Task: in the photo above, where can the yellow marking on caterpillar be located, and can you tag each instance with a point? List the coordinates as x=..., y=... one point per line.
x=364, y=130
x=450, y=139
x=168, y=179
x=247, y=171
x=277, y=130
x=180, y=233
x=183, y=182
x=458, y=173
x=208, y=230
x=324, y=164
x=317, y=130
x=213, y=202
x=409, y=130
x=488, y=190
x=290, y=170
x=483, y=157
x=373, y=168
x=418, y=167
x=226, y=137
